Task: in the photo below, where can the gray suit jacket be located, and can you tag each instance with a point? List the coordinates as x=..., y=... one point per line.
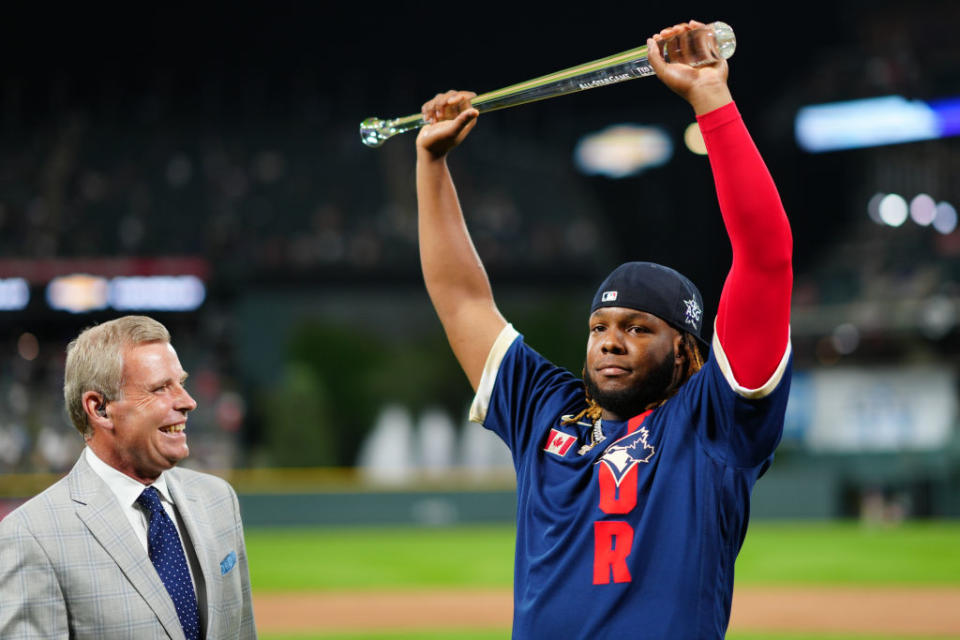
x=71, y=565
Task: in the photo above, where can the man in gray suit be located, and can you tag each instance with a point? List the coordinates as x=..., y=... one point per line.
x=126, y=545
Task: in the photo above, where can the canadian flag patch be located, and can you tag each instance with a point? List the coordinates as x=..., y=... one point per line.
x=559, y=442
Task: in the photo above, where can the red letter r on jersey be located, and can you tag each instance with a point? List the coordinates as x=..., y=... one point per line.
x=612, y=541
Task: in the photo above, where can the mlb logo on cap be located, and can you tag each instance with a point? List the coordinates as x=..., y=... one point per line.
x=656, y=289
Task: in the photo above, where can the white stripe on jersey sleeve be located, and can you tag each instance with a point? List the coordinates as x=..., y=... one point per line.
x=481, y=401
x=750, y=394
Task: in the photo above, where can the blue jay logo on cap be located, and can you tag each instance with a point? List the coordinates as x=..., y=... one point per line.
x=693, y=313
x=608, y=296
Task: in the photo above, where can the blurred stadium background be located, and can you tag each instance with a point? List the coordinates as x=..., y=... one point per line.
x=202, y=164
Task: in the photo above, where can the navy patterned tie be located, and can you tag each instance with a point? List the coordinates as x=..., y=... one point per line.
x=166, y=554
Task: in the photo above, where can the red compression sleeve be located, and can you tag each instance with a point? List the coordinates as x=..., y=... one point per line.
x=753, y=319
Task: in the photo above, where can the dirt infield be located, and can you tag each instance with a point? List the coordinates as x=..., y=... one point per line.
x=920, y=611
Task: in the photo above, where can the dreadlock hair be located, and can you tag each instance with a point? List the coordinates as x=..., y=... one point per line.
x=693, y=359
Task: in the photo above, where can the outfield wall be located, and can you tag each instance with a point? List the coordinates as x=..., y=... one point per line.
x=877, y=487
x=435, y=508
x=798, y=486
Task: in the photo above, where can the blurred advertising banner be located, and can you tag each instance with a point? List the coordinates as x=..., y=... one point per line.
x=873, y=410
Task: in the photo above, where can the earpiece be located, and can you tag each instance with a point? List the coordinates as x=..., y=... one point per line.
x=102, y=411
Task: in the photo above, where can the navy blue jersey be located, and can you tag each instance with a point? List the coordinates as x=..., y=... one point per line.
x=636, y=536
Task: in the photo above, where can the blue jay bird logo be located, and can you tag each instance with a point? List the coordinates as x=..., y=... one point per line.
x=626, y=452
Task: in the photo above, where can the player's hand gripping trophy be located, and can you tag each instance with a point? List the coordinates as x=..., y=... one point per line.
x=450, y=116
x=696, y=44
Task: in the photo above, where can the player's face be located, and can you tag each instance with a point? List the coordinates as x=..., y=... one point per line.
x=150, y=418
x=631, y=360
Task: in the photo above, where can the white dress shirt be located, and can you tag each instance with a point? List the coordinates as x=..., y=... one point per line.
x=127, y=491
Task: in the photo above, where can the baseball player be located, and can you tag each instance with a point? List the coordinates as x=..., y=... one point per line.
x=633, y=483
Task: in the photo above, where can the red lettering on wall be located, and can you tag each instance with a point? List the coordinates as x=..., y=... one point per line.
x=614, y=499
x=612, y=541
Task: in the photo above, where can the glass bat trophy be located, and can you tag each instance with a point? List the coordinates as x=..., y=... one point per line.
x=696, y=47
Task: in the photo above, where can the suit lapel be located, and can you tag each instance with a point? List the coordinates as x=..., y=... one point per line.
x=98, y=509
x=195, y=520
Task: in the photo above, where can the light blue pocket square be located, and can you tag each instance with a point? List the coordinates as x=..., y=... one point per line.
x=227, y=563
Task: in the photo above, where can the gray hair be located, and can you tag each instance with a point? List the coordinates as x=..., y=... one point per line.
x=95, y=362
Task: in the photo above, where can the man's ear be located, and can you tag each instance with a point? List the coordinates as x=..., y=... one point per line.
x=95, y=406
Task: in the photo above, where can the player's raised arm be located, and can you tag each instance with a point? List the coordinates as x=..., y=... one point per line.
x=455, y=278
x=754, y=312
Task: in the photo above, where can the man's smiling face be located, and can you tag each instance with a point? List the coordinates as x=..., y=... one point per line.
x=148, y=420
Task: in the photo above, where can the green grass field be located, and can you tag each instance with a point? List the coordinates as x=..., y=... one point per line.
x=774, y=553
x=809, y=554
x=461, y=634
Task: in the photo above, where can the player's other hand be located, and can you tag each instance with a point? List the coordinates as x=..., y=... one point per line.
x=450, y=118
x=703, y=87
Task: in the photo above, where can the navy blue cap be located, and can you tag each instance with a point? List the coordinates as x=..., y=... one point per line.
x=656, y=289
